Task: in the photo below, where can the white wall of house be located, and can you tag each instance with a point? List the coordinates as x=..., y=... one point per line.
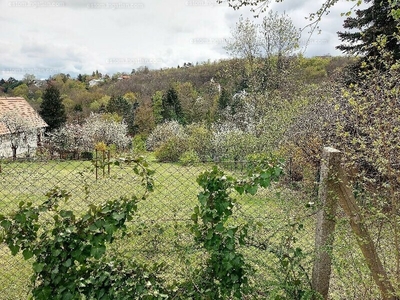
x=27, y=148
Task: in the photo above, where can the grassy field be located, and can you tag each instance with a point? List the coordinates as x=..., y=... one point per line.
x=159, y=232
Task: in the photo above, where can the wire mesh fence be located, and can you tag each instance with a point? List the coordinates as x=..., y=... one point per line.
x=159, y=231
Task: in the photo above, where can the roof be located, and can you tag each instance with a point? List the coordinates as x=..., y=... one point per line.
x=21, y=107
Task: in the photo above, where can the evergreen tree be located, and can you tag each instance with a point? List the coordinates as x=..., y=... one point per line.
x=52, y=110
x=172, y=109
x=157, y=106
x=367, y=25
x=224, y=99
x=119, y=105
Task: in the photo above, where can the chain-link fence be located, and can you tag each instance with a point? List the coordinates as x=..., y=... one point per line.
x=159, y=232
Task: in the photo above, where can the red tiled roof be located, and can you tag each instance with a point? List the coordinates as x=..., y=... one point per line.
x=21, y=107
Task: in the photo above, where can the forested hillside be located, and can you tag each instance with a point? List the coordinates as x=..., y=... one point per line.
x=203, y=90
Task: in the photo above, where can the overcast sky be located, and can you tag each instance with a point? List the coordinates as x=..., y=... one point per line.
x=80, y=36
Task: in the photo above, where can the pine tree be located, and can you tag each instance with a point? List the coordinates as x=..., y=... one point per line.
x=119, y=105
x=224, y=99
x=372, y=22
x=172, y=109
x=52, y=110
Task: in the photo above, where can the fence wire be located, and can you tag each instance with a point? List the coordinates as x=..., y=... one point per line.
x=159, y=231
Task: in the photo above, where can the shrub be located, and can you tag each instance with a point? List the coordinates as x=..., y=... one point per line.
x=231, y=143
x=69, y=252
x=171, y=150
x=162, y=133
x=199, y=140
x=87, y=155
x=138, y=144
x=189, y=158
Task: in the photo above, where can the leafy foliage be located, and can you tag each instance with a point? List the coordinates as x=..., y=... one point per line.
x=225, y=275
x=189, y=158
x=69, y=250
x=162, y=133
x=370, y=23
x=171, y=150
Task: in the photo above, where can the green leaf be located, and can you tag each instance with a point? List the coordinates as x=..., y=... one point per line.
x=239, y=189
x=68, y=262
x=56, y=252
x=27, y=254
x=38, y=267
x=98, y=251
x=252, y=190
x=194, y=218
x=278, y=171
x=117, y=216
x=6, y=224
x=14, y=249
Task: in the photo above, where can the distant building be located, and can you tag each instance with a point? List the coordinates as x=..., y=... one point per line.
x=124, y=77
x=19, y=110
x=94, y=82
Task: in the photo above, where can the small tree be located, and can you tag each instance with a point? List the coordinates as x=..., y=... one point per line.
x=52, y=110
x=68, y=138
x=103, y=128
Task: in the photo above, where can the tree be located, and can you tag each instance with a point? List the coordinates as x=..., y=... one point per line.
x=224, y=99
x=172, y=109
x=19, y=130
x=104, y=128
x=119, y=105
x=279, y=36
x=68, y=138
x=157, y=106
x=21, y=91
x=244, y=42
x=29, y=79
x=264, y=47
x=52, y=110
x=367, y=26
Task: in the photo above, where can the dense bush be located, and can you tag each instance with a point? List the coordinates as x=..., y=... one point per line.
x=189, y=158
x=171, y=150
x=163, y=133
x=199, y=140
x=232, y=144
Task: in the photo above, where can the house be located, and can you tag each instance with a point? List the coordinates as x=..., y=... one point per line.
x=21, y=128
x=94, y=82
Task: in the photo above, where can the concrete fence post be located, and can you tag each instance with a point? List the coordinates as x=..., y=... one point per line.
x=325, y=227
x=335, y=189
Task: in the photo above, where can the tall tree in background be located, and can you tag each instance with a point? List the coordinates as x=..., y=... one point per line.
x=279, y=36
x=264, y=47
x=119, y=105
x=244, y=42
x=157, y=106
x=367, y=26
x=172, y=109
x=52, y=110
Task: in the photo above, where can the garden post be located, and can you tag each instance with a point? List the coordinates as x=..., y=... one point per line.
x=325, y=227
